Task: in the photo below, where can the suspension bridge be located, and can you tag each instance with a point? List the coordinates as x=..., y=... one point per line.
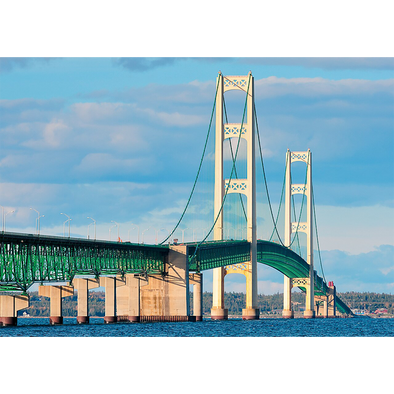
x=152, y=282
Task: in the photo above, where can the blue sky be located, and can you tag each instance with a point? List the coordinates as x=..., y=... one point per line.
x=120, y=139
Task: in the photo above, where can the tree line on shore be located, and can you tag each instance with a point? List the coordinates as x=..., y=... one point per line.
x=234, y=302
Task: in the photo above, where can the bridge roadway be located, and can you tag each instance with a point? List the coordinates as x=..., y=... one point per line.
x=223, y=253
x=26, y=259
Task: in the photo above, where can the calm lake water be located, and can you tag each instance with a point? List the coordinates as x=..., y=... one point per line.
x=268, y=327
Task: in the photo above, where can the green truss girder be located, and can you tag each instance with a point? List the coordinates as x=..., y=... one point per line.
x=26, y=259
x=222, y=253
x=217, y=254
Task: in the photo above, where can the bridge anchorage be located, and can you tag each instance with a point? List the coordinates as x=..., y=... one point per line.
x=151, y=282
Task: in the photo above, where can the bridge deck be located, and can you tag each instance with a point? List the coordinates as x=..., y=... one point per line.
x=26, y=259
x=222, y=253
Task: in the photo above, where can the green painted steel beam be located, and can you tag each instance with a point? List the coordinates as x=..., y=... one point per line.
x=217, y=254
x=26, y=259
x=222, y=253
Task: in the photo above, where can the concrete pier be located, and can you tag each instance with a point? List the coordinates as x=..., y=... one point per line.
x=218, y=312
x=196, y=281
x=9, y=307
x=309, y=314
x=129, y=298
x=166, y=297
x=288, y=314
x=250, y=314
x=331, y=300
x=159, y=297
x=83, y=285
x=111, y=284
x=56, y=293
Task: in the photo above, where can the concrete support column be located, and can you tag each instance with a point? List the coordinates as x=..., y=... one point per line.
x=9, y=307
x=56, y=294
x=251, y=312
x=218, y=312
x=321, y=306
x=133, y=284
x=110, y=299
x=83, y=285
x=166, y=296
x=325, y=307
x=110, y=284
x=287, y=312
x=332, y=307
x=128, y=298
x=309, y=312
x=196, y=280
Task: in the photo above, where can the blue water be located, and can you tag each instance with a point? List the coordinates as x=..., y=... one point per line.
x=268, y=327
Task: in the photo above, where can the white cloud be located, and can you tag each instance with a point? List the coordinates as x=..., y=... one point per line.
x=128, y=138
x=170, y=210
x=95, y=112
x=53, y=135
x=386, y=271
x=355, y=229
x=371, y=271
x=172, y=118
x=268, y=287
x=105, y=163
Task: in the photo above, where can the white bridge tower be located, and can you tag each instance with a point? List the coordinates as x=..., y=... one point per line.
x=245, y=186
x=290, y=227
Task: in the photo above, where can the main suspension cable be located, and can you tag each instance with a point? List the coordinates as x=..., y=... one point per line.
x=265, y=182
x=199, y=168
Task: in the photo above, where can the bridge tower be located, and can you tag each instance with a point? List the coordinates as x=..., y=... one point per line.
x=245, y=186
x=290, y=227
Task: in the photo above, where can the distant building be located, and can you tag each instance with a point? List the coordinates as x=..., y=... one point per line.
x=360, y=311
x=381, y=310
